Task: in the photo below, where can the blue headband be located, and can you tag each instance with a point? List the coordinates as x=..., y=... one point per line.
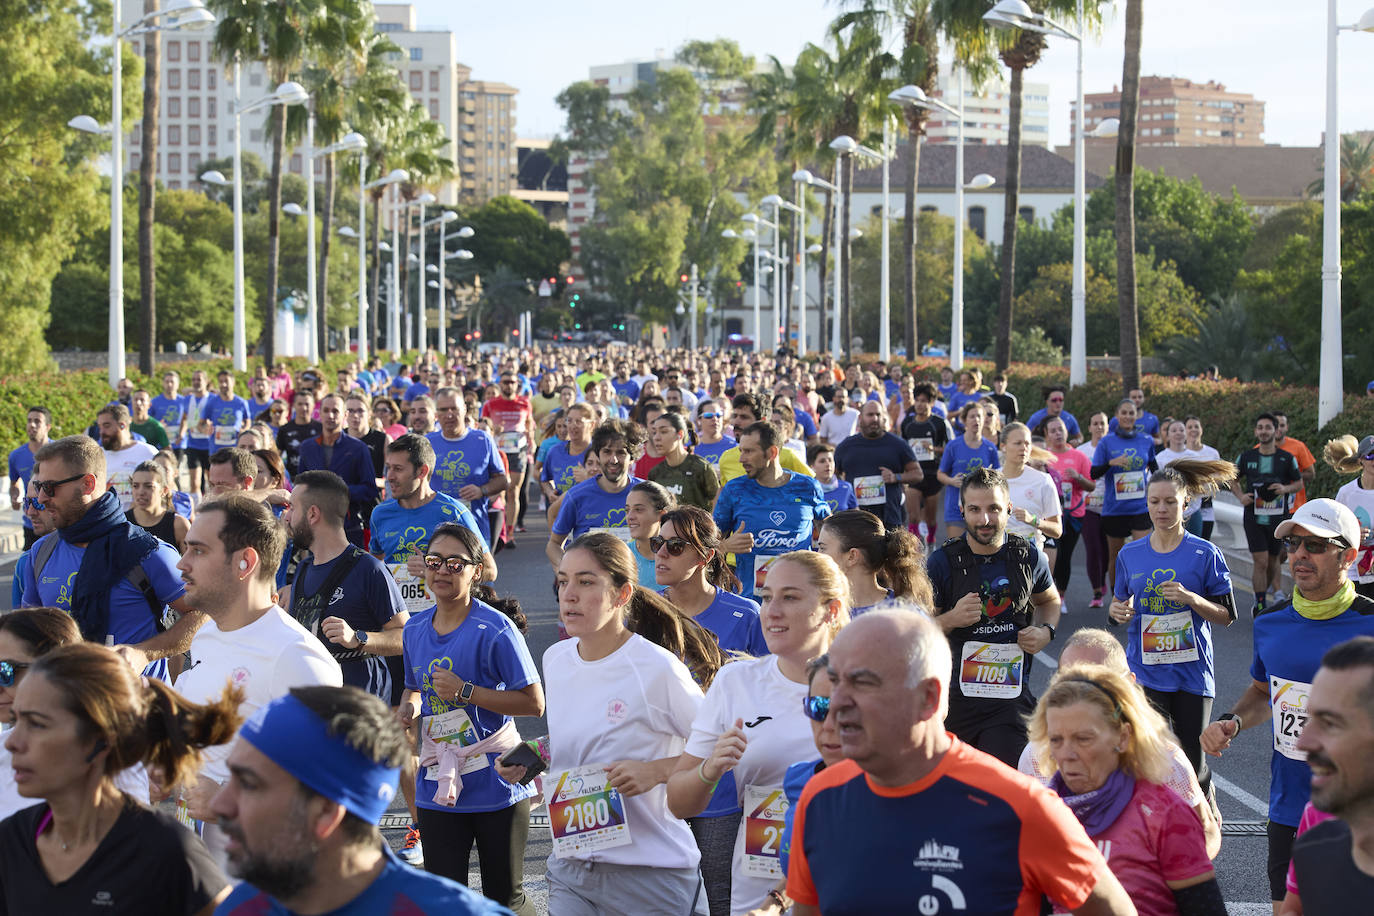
x=298, y=741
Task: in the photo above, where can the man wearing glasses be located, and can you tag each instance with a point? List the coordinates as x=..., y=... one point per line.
x=118, y=591
x=711, y=439
x=1290, y=639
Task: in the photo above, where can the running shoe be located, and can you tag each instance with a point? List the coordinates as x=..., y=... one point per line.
x=1096, y=602
x=519, y=529
x=1277, y=597
x=1257, y=609
x=412, y=853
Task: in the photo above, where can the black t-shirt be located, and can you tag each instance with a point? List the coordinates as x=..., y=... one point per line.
x=1007, y=407
x=827, y=394
x=1328, y=881
x=289, y=439
x=1256, y=472
x=147, y=864
x=924, y=436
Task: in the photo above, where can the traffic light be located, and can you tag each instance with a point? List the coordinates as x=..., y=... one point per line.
x=569, y=281
x=685, y=278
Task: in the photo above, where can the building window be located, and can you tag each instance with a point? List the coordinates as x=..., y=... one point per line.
x=255, y=78
x=193, y=163
x=193, y=51
x=417, y=53
x=433, y=109
x=296, y=163
x=138, y=133
x=134, y=160
x=174, y=50
x=174, y=107
x=978, y=221
x=193, y=107
x=174, y=163
x=434, y=81
x=174, y=186
x=173, y=79
x=417, y=81
x=210, y=106
x=210, y=82
x=210, y=134
x=255, y=135
x=193, y=135
x=193, y=78
x=173, y=135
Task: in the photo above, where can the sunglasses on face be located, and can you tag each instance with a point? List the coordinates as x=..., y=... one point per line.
x=1313, y=546
x=34, y=503
x=816, y=708
x=452, y=564
x=675, y=545
x=9, y=672
x=708, y=415
x=49, y=487
x=1368, y=456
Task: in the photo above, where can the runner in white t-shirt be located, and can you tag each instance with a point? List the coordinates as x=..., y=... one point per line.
x=1035, y=508
x=1176, y=448
x=1346, y=456
x=122, y=452
x=749, y=723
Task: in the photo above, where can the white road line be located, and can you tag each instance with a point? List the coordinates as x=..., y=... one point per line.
x=1049, y=660
x=1249, y=909
x=1240, y=795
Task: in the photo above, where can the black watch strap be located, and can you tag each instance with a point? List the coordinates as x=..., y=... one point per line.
x=1048, y=627
x=1230, y=717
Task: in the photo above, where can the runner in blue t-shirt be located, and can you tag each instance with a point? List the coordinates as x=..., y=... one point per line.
x=1172, y=587
x=962, y=455
x=599, y=503
x=767, y=512
x=1124, y=459
x=467, y=463
x=1054, y=407
x=36, y=427
x=170, y=409
x=226, y=414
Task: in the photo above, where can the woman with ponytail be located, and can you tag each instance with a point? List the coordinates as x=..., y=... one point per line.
x=621, y=704
x=81, y=717
x=880, y=563
x=1346, y=456
x=1171, y=587
x=748, y=723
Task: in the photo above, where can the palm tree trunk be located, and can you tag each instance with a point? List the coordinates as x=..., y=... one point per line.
x=823, y=269
x=373, y=312
x=1002, y=352
x=147, y=196
x=322, y=283
x=269, y=298
x=1125, y=202
x=846, y=250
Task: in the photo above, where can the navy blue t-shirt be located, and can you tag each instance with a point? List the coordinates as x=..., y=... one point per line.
x=1126, y=487
x=366, y=599
x=861, y=460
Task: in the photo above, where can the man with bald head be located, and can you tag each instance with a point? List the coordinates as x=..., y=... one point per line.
x=914, y=814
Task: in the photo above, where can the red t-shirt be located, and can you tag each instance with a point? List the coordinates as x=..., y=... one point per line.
x=647, y=463
x=509, y=415
x=1157, y=839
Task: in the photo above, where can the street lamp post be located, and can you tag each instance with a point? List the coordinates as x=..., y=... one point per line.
x=423, y=200
x=847, y=146
x=464, y=233
x=185, y=15
x=394, y=177
x=804, y=177
x=781, y=311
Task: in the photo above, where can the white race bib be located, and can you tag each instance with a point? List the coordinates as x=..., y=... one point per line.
x=1267, y=508
x=765, y=808
x=761, y=564
x=871, y=490
x=454, y=727
x=585, y=814
x=1130, y=485
x=511, y=442
x=621, y=532
x=1288, y=703
x=991, y=670
x=1168, y=639
x=413, y=591
x=1097, y=497
x=924, y=447
x=226, y=435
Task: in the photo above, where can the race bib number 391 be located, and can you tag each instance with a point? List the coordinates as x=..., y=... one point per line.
x=585, y=814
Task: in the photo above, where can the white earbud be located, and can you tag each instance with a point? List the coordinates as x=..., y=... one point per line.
x=243, y=564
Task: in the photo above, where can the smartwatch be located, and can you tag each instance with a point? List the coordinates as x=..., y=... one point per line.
x=1048, y=627
x=361, y=636
x=1230, y=717
x=465, y=695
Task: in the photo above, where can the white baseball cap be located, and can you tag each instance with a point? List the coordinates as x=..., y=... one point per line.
x=1324, y=518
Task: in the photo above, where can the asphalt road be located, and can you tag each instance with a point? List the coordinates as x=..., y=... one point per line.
x=1242, y=775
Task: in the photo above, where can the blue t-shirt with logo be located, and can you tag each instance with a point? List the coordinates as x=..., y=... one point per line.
x=470, y=459
x=1288, y=651
x=959, y=458
x=1125, y=487
x=131, y=619
x=195, y=410
x=168, y=412
x=398, y=532
x=1070, y=423
x=228, y=418
x=21, y=469
x=839, y=495
x=781, y=519
x=489, y=651
x=1198, y=566
x=711, y=451
x=587, y=506
x=1144, y=421
x=629, y=388
x=558, y=466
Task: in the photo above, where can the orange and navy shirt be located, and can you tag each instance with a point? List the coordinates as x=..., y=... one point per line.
x=972, y=837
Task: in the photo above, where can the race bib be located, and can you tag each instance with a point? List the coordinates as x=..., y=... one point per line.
x=1096, y=498
x=761, y=565
x=226, y=435
x=1268, y=508
x=183, y=816
x=585, y=814
x=1168, y=639
x=991, y=670
x=1288, y=703
x=511, y=442
x=1130, y=485
x=764, y=811
x=1066, y=492
x=413, y=591
x=171, y=429
x=870, y=490
x=454, y=727
x=621, y=532
x=924, y=447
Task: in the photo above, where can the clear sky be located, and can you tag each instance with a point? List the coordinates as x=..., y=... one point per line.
x=1273, y=49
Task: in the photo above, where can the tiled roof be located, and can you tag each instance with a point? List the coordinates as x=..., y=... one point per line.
x=1258, y=173
x=1041, y=169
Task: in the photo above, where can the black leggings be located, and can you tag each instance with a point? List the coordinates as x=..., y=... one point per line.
x=1005, y=741
x=524, y=493
x=1188, y=714
x=500, y=837
x=1063, y=558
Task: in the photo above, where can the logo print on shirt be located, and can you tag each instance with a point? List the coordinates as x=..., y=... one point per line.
x=777, y=517
x=240, y=676
x=337, y=596
x=936, y=856
x=759, y=721
x=616, y=710
x=102, y=898
x=996, y=596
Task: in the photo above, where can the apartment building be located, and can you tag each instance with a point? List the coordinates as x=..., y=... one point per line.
x=1181, y=112
x=987, y=111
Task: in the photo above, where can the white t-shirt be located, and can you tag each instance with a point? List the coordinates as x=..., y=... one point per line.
x=837, y=427
x=1207, y=453
x=133, y=781
x=119, y=469
x=779, y=735
x=1167, y=456
x=635, y=704
x=1095, y=498
x=1035, y=492
x=266, y=659
x=1361, y=502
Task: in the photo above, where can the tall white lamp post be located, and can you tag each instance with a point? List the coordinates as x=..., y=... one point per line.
x=804, y=177
x=782, y=311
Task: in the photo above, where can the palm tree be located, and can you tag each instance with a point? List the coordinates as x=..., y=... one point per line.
x=1357, y=169
x=147, y=196
x=279, y=35
x=1125, y=202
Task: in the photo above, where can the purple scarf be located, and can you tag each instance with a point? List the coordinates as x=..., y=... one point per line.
x=1097, y=810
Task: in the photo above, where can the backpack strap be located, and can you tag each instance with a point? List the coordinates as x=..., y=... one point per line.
x=40, y=555
x=306, y=609
x=43, y=551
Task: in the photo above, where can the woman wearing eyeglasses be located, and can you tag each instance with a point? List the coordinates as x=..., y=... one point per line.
x=1171, y=588
x=468, y=673
x=748, y=723
x=645, y=502
x=1109, y=752
x=1346, y=456
x=388, y=417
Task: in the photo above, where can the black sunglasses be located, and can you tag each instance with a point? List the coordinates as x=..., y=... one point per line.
x=454, y=564
x=1313, y=546
x=9, y=671
x=675, y=545
x=816, y=708
x=49, y=487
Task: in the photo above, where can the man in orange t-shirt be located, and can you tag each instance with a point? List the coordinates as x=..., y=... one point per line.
x=914, y=820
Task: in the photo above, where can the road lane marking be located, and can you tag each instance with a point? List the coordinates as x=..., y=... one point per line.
x=1240, y=795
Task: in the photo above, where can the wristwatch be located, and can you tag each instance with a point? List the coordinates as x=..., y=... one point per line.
x=1230, y=717
x=1048, y=627
x=361, y=636
x=465, y=695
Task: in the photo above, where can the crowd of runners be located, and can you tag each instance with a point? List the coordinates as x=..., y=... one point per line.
x=799, y=606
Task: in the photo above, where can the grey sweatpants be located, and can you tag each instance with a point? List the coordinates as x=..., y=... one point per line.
x=581, y=888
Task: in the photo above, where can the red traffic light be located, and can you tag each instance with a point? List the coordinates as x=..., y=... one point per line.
x=516, y=332
x=684, y=278
x=553, y=279
x=467, y=337
x=569, y=281
x=477, y=334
